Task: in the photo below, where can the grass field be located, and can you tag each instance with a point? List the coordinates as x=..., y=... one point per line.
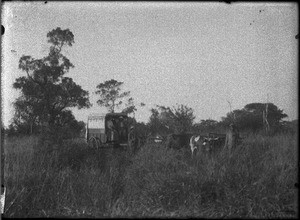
x=256, y=181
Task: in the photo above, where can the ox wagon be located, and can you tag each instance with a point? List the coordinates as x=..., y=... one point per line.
x=111, y=130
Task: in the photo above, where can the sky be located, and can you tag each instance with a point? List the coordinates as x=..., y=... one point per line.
x=203, y=55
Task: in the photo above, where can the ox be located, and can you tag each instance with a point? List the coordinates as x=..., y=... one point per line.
x=207, y=145
x=178, y=141
x=157, y=138
x=214, y=145
x=196, y=142
x=215, y=135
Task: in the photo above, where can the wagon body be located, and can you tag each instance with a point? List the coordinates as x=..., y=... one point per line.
x=95, y=128
x=97, y=133
x=110, y=130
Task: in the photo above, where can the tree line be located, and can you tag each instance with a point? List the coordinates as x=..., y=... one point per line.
x=181, y=119
x=47, y=97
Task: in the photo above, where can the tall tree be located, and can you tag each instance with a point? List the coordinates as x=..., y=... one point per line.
x=177, y=119
x=69, y=127
x=130, y=106
x=26, y=114
x=156, y=125
x=110, y=94
x=274, y=116
x=45, y=84
x=251, y=116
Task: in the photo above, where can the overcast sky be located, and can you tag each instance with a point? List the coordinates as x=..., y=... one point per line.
x=197, y=54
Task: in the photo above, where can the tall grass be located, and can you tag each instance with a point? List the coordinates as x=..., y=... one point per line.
x=256, y=181
x=72, y=181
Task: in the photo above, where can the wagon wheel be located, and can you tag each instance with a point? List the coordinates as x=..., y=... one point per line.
x=99, y=143
x=102, y=143
x=93, y=143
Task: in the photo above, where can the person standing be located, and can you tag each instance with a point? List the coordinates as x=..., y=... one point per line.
x=232, y=136
x=110, y=126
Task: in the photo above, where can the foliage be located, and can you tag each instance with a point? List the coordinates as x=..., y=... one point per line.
x=130, y=107
x=257, y=181
x=26, y=118
x=207, y=125
x=45, y=86
x=251, y=116
x=289, y=127
x=155, y=125
x=177, y=119
x=68, y=126
x=110, y=94
x=142, y=131
x=275, y=115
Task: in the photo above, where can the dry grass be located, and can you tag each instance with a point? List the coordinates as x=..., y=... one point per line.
x=256, y=181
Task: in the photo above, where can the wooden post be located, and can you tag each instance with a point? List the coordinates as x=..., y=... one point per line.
x=232, y=136
x=265, y=119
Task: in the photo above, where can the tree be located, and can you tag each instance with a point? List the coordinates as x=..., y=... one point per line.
x=130, y=107
x=275, y=115
x=45, y=86
x=207, y=125
x=155, y=124
x=178, y=119
x=241, y=118
x=26, y=117
x=68, y=126
x=110, y=94
x=251, y=116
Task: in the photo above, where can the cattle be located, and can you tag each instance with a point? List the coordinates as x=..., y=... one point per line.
x=196, y=142
x=178, y=141
x=214, y=145
x=206, y=145
x=210, y=144
x=156, y=138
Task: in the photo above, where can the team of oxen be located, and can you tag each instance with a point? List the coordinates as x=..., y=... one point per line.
x=209, y=144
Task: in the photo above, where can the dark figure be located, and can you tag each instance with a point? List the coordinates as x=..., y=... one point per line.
x=232, y=136
x=111, y=130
